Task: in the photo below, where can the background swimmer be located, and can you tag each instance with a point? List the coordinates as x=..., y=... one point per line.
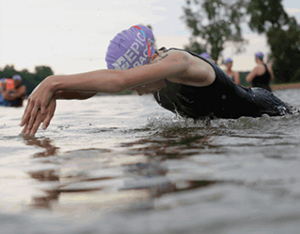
x=262, y=75
x=232, y=74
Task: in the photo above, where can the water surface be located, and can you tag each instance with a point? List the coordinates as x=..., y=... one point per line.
x=122, y=164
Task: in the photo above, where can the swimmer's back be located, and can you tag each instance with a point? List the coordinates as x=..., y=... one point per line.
x=222, y=99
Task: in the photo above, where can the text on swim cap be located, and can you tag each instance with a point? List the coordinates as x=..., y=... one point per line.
x=132, y=57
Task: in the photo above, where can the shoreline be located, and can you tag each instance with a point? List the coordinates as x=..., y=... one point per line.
x=285, y=86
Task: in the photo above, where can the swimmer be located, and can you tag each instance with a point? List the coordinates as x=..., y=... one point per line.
x=262, y=75
x=15, y=95
x=181, y=81
x=3, y=87
x=235, y=77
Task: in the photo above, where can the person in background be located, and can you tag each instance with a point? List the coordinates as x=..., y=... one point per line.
x=15, y=95
x=7, y=83
x=3, y=86
x=232, y=74
x=262, y=75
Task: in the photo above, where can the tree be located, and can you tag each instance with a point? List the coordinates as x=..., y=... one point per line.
x=8, y=71
x=285, y=53
x=283, y=36
x=266, y=14
x=214, y=22
x=42, y=72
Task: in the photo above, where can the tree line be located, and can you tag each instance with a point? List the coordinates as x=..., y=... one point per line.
x=30, y=80
x=213, y=23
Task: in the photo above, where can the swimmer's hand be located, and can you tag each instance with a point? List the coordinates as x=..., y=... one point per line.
x=40, y=108
x=32, y=125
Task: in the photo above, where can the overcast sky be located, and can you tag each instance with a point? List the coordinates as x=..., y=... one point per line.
x=71, y=36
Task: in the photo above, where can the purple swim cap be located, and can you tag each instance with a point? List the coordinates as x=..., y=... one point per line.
x=228, y=60
x=17, y=77
x=259, y=55
x=130, y=48
x=205, y=55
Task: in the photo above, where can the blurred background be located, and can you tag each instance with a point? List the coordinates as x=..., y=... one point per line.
x=40, y=38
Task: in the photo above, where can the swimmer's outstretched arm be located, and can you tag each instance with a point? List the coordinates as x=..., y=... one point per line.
x=42, y=102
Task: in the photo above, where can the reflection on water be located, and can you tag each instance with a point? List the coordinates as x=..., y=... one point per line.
x=92, y=172
x=135, y=168
x=167, y=145
x=44, y=143
x=49, y=195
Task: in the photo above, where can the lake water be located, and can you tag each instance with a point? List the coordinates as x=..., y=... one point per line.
x=122, y=164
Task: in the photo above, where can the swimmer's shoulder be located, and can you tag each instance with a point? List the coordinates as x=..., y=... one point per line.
x=198, y=71
x=260, y=69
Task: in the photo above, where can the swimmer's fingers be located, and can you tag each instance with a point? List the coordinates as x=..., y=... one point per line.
x=28, y=118
x=26, y=115
x=35, y=119
x=33, y=122
x=30, y=113
x=33, y=129
x=49, y=114
x=24, y=129
x=34, y=114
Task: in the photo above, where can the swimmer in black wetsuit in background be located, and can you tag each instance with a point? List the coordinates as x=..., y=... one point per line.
x=262, y=75
x=181, y=81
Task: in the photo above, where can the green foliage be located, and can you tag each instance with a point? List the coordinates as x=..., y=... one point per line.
x=285, y=53
x=195, y=46
x=125, y=92
x=243, y=76
x=283, y=35
x=266, y=14
x=30, y=80
x=214, y=22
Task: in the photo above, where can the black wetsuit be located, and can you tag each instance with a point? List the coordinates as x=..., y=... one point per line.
x=263, y=81
x=222, y=99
